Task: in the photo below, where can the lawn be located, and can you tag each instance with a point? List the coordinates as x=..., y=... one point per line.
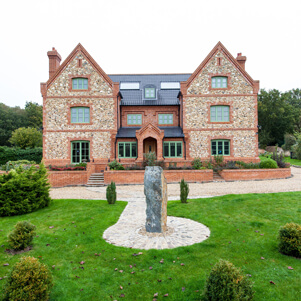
x=244, y=229
x=292, y=161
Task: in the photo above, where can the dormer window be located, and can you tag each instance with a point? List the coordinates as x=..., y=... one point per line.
x=219, y=82
x=150, y=93
x=79, y=83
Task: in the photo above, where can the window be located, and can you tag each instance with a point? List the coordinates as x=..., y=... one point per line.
x=129, y=86
x=165, y=118
x=170, y=85
x=127, y=150
x=219, y=82
x=134, y=118
x=219, y=113
x=150, y=93
x=220, y=147
x=172, y=149
x=80, y=151
x=80, y=115
x=79, y=83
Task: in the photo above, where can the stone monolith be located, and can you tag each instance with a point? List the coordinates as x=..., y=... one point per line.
x=155, y=190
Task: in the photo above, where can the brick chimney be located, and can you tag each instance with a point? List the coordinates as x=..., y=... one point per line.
x=54, y=61
x=241, y=60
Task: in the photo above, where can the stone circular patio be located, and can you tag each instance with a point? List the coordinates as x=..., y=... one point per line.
x=129, y=230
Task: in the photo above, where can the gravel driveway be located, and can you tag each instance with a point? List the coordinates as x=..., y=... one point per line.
x=196, y=189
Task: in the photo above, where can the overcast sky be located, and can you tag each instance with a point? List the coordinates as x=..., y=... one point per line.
x=138, y=36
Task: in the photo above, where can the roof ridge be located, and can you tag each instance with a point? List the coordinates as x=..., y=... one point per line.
x=151, y=74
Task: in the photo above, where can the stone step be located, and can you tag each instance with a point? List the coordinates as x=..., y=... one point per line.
x=96, y=180
x=217, y=177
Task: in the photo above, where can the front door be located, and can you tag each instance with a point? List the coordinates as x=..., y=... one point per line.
x=150, y=145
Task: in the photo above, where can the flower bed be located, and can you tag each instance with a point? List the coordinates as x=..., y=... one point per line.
x=70, y=168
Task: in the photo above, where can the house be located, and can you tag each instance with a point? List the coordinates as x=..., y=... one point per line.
x=95, y=117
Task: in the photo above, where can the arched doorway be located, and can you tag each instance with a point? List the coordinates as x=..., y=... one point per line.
x=150, y=145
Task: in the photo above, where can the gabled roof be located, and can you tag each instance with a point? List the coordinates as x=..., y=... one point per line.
x=71, y=56
x=219, y=46
x=169, y=132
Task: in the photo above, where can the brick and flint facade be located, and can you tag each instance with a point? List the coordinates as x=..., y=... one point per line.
x=95, y=117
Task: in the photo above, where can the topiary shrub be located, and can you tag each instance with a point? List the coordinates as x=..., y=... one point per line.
x=29, y=280
x=268, y=163
x=290, y=239
x=21, y=236
x=111, y=193
x=23, y=191
x=226, y=283
x=184, y=191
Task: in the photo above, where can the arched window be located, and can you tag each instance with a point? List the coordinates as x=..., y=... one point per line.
x=219, y=82
x=79, y=83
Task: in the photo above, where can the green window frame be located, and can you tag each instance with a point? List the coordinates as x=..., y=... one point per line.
x=80, y=151
x=134, y=119
x=165, y=118
x=173, y=149
x=127, y=150
x=80, y=115
x=150, y=93
x=219, y=82
x=219, y=113
x=220, y=147
x=79, y=83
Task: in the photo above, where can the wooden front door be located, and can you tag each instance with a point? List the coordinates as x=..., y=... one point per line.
x=150, y=145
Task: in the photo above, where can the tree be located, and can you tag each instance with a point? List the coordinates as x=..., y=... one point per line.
x=26, y=137
x=276, y=116
x=11, y=118
x=34, y=115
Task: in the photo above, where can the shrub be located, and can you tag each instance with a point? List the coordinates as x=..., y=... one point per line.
x=29, y=280
x=290, y=239
x=219, y=160
x=196, y=163
x=23, y=191
x=279, y=158
x=150, y=158
x=289, y=141
x=26, y=138
x=184, y=188
x=226, y=283
x=111, y=193
x=268, y=163
x=16, y=154
x=250, y=165
x=21, y=236
x=231, y=165
x=296, y=148
x=114, y=165
x=25, y=164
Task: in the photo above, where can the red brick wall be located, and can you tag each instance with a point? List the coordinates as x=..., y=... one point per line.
x=255, y=174
x=137, y=176
x=67, y=178
x=150, y=114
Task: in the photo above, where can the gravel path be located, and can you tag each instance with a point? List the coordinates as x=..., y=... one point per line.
x=196, y=189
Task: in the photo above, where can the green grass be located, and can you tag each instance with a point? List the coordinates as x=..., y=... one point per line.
x=292, y=161
x=233, y=220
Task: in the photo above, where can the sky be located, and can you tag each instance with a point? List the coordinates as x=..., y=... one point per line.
x=138, y=36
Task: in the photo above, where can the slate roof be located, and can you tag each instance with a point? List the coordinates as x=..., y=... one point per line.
x=169, y=132
x=135, y=97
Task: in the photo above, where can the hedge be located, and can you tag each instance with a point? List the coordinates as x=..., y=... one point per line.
x=16, y=153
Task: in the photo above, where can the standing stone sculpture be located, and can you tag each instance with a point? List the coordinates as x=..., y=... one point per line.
x=155, y=190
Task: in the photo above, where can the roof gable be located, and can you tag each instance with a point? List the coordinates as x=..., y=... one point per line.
x=219, y=47
x=72, y=55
